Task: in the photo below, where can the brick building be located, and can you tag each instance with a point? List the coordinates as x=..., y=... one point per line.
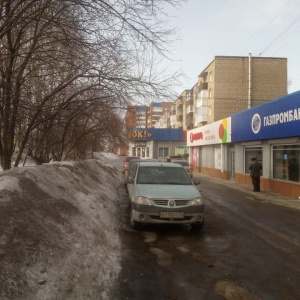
x=230, y=84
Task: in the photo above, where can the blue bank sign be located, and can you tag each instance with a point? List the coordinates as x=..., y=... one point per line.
x=276, y=119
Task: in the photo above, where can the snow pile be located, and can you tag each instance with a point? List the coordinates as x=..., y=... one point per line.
x=59, y=231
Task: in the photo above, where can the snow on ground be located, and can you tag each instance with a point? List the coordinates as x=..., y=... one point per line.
x=59, y=230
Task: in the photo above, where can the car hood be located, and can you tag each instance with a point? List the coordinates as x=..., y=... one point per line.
x=166, y=191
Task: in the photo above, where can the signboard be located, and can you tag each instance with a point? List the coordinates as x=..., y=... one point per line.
x=275, y=119
x=156, y=134
x=181, y=150
x=215, y=133
x=140, y=144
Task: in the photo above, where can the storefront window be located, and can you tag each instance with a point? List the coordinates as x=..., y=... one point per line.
x=163, y=152
x=252, y=152
x=286, y=162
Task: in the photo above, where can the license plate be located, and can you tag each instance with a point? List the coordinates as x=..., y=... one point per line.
x=172, y=215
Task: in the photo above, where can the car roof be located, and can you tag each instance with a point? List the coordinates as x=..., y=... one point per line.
x=132, y=157
x=179, y=160
x=158, y=164
x=134, y=161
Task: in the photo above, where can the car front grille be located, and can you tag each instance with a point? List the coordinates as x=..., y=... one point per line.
x=165, y=202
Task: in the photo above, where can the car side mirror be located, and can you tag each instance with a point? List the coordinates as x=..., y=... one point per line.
x=196, y=182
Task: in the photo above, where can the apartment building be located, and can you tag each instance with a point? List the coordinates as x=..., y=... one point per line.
x=156, y=111
x=178, y=111
x=136, y=116
x=230, y=84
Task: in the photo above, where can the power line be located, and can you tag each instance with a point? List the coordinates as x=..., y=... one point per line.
x=282, y=33
x=268, y=24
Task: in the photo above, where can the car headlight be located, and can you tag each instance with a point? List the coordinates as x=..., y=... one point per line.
x=197, y=201
x=143, y=201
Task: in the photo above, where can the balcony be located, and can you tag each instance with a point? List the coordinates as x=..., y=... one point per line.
x=189, y=109
x=203, y=86
x=202, y=98
x=190, y=102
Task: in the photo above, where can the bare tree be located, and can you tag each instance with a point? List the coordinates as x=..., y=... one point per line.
x=56, y=55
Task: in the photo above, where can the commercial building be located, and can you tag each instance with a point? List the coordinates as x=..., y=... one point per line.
x=157, y=143
x=270, y=132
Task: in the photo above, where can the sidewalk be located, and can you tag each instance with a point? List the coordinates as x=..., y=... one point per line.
x=263, y=195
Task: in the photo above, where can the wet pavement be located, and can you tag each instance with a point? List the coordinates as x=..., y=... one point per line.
x=262, y=195
x=248, y=249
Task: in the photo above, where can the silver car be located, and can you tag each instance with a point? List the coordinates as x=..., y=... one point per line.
x=164, y=193
x=185, y=164
x=131, y=165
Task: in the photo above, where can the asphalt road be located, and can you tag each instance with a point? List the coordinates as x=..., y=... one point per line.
x=248, y=249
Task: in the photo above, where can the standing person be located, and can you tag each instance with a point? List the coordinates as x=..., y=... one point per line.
x=255, y=169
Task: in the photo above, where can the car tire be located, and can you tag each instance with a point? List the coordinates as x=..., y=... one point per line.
x=134, y=224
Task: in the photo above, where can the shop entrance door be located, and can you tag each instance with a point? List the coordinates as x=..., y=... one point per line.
x=140, y=152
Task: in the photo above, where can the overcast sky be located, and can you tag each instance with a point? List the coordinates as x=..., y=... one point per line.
x=267, y=28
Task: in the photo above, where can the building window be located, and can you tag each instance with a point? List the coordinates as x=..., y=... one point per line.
x=286, y=162
x=252, y=152
x=210, y=77
x=163, y=152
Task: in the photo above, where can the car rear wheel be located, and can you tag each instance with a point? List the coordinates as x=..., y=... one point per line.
x=134, y=224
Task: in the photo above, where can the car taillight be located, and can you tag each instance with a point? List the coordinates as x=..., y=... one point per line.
x=190, y=170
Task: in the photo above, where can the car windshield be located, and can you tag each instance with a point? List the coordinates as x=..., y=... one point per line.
x=162, y=175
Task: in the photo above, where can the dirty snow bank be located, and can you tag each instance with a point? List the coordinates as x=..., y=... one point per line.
x=59, y=231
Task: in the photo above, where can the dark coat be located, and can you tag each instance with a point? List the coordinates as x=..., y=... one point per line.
x=255, y=168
